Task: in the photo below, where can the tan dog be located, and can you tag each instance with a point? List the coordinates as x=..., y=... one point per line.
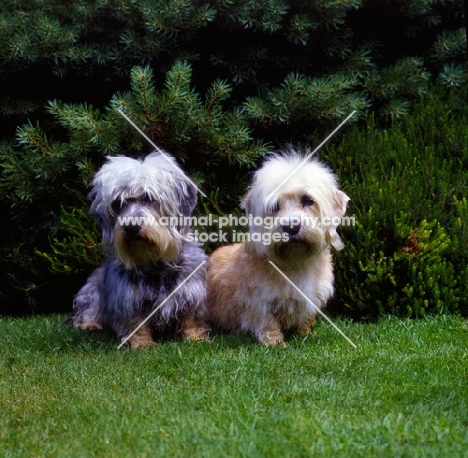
x=246, y=293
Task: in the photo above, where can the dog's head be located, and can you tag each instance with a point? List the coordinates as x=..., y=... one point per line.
x=134, y=200
x=299, y=205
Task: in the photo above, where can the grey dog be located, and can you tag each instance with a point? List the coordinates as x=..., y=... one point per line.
x=149, y=260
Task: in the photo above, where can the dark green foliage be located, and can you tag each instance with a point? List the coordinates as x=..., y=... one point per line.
x=78, y=244
x=407, y=253
x=301, y=99
x=197, y=129
x=83, y=51
x=216, y=83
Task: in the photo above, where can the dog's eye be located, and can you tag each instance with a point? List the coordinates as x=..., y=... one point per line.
x=117, y=205
x=275, y=208
x=306, y=201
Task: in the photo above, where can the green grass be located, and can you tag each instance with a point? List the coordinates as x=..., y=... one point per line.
x=402, y=393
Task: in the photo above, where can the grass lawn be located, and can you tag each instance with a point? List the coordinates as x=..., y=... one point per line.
x=402, y=393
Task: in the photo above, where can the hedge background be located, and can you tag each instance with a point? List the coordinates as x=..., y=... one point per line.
x=218, y=84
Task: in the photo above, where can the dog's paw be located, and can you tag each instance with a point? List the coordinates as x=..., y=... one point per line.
x=195, y=334
x=91, y=326
x=137, y=342
x=304, y=329
x=271, y=337
x=194, y=328
x=136, y=345
x=87, y=325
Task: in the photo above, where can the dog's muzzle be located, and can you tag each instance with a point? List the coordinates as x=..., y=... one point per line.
x=132, y=231
x=290, y=225
x=291, y=229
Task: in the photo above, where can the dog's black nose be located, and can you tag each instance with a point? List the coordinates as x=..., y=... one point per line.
x=291, y=229
x=132, y=229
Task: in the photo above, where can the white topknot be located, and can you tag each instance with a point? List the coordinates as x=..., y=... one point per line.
x=289, y=172
x=157, y=176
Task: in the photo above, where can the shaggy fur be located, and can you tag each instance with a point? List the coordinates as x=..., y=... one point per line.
x=245, y=292
x=146, y=260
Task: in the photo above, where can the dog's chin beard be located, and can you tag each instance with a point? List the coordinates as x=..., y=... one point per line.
x=297, y=249
x=293, y=251
x=140, y=253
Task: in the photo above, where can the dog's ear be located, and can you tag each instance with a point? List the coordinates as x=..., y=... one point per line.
x=246, y=205
x=251, y=247
x=187, y=196
x=101, y=215
x=92, y=195
x=340, y=201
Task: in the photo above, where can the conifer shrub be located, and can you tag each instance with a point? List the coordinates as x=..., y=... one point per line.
x=217, y=84
x=407, y=253
x=83, y=51
x=44, y=180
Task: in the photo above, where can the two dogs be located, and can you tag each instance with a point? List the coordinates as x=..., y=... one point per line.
x=250, y=287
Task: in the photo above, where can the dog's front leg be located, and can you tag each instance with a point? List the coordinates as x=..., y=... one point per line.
x=270, y=332
x=304, y=328
x=87, y=304
x=141, y=338
x=194, y=327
